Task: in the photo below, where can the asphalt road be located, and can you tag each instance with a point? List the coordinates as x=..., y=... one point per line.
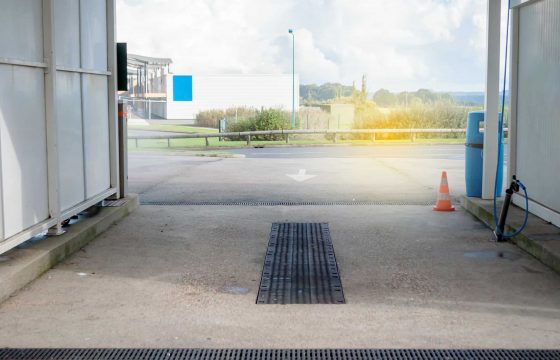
x=405, y=174
x=446, y=152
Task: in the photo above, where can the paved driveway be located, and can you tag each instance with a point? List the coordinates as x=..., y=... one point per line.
x=187, y=276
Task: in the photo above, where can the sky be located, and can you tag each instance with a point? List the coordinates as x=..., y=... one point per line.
x=398, y=44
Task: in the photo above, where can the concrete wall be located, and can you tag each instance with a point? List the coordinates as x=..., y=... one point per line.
x=226, y=91
x=57, y=112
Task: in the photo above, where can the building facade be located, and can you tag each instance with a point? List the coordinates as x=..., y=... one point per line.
x=187, y=95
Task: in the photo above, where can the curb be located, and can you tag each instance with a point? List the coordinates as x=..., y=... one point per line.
x=540, y=239
x=226, y=148
x=20, y=266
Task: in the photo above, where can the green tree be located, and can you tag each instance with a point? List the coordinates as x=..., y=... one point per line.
x=384, y=98
x=363, y=93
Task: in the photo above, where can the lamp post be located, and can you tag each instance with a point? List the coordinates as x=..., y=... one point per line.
x=293, y=78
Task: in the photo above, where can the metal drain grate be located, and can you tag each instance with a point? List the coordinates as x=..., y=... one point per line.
x=300, y=266
x=274, y=354
x=115, y=203
x=285, y=203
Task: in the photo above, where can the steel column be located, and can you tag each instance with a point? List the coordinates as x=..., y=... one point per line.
x=122, y=189
x=492, y=97
x=513, y=83
x=51, y=116
x=112, y=97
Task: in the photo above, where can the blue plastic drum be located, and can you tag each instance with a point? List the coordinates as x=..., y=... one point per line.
x=473, y=156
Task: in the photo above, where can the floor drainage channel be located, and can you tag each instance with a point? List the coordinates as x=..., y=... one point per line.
x=278, y=354
x=284, y=203
x=300, y=266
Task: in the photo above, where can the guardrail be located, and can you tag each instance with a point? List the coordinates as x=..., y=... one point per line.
x=286, y=133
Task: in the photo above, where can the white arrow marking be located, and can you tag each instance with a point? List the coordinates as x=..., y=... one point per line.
x=301, y=176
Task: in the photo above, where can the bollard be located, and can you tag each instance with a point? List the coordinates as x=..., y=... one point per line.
x=372, y=137
x=248, y=140
x=206, y=140
x=287, y=138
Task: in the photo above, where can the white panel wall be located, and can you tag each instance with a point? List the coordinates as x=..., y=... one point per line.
x=58, y=125
x=226, y=91
x=538, y=113
x=21, y=29
x=535, y=90
x=22, y=112
x=70, y=144
x=67, y=32
x=24, y=161
x=96, y=133
x=93, y=34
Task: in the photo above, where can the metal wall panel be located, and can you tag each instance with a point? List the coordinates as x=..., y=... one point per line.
x=21, y=30
x=67, y=32
x=538, y=113
x=93, y=24
x=96, y=133
x=24, y=161
x=70, y=144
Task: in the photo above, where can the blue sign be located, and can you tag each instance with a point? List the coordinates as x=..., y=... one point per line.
x=182, y=88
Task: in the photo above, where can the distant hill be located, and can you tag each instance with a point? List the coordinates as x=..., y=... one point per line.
x=324, y=92
x=329, y=91
x=473, y=98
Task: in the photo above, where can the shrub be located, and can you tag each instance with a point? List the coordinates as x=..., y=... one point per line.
x=211, y=118
x=264, y=119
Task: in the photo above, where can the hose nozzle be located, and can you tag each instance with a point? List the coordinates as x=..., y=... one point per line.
x=513, y=188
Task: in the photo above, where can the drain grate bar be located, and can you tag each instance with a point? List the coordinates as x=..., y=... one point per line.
x=115, y=203
x=275, y=354
x=285, y=203
x=300, y=266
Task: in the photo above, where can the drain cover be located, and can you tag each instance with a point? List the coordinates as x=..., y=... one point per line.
x=115, y=203
x=278, y=354
x=300, y=266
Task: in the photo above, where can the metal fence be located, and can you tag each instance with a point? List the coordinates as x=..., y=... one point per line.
x=334, y=133
x=145, y=109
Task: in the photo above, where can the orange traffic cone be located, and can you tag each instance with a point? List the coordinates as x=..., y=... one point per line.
x=443, y=199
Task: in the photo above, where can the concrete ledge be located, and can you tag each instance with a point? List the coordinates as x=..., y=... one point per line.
x=540, y=238
x=20, y=266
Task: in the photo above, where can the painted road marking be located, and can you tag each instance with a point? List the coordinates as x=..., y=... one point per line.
x=301, y=176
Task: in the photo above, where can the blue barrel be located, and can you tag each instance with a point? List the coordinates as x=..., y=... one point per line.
x=473, y=156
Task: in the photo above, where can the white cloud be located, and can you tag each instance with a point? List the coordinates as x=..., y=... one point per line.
x=399, y=44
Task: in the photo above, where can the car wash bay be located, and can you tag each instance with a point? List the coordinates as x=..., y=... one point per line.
x=189, y=275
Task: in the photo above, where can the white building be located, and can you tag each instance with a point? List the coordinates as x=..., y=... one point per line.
x=187, y=95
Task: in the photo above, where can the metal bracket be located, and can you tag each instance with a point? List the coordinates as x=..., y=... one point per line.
x=56, y=230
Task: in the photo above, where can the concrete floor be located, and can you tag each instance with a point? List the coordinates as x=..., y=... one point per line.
x=176, y=277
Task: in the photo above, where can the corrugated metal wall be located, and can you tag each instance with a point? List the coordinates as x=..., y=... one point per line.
x=538, y=101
